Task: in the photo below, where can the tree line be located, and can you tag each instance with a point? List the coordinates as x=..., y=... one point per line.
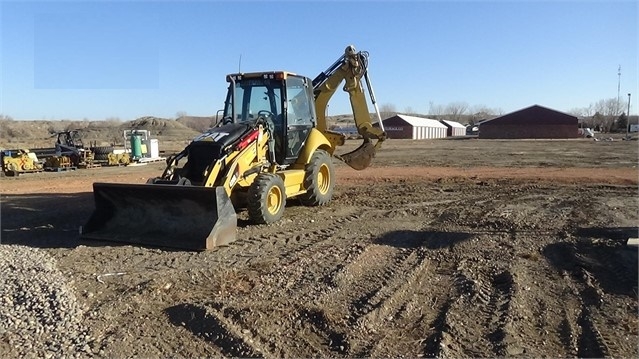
x=607, y=115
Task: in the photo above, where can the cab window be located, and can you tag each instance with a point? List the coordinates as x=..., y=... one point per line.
x=253, y=96
x=299, y=110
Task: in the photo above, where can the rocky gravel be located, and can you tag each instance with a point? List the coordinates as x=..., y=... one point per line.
x=40, y=316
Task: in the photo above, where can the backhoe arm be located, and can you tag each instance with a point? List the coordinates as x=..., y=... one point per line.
x=351, y=68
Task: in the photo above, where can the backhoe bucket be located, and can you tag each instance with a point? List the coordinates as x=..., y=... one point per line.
x=187, y=217
x=361, y=157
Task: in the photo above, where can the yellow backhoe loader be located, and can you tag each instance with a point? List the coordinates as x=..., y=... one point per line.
x=272, y=143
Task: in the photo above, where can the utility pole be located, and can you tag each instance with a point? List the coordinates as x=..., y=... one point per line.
x=618, y=90
x=628, y=121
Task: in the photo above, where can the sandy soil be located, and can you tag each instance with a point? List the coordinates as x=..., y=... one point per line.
x=441, y=249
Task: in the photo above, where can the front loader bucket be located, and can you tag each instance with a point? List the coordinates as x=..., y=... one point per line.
x=187, y=217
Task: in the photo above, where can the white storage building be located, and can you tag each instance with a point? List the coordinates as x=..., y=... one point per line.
x=454, y=128
x=414, y=128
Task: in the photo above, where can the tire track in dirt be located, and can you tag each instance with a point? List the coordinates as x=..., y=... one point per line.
x=490, y=306
x=387, y=273
x=439, y=344
x=397, y=301
x=222, y=327
x=250, y=322
x=569, y=332
x=356, y=287
x=368, y=289
x=586, y=332
x=327, y=331
x=585, y=338
x=286, y=244
x=363, y=282
x=483, y=294
x=292, y=252
x=495, y=289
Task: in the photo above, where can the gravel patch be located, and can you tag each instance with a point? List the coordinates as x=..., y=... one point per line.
x=40, y=316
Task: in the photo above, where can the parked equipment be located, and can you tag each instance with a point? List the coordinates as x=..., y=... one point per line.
x=69, y=144
x=271, y=145
x=118, y=159
x=58, y=163
x=19, y=161
x=143, y=148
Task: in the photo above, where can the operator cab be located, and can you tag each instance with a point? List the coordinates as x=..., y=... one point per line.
x=283, y=98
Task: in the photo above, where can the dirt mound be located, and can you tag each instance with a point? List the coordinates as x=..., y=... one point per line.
x=159, y=126
x=41, y=134
x=197, y=123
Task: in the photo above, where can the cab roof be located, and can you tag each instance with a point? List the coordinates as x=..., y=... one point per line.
x=265, y=74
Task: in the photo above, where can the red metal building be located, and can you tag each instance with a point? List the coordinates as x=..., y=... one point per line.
x=531, y=122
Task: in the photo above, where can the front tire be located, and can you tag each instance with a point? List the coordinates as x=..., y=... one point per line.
x=266, y=199
x=319, y=179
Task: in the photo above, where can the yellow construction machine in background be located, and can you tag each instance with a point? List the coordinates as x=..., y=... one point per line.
x=15, y=162
x=272, y=144
x=118, y=159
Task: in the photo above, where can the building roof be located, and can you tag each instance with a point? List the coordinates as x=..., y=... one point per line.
x=420, y=121
x=533, y=114
x=452, y=124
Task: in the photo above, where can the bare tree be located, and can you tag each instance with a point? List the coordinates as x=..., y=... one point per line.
x=483, y=109
x=456, y=110
x=482, y=112
x=436, y=111
x=387, y=110
x=608, y=111
x=589, y=111
x=598, y=122
x=577, y=112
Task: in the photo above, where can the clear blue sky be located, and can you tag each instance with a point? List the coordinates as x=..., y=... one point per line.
x=100, y=59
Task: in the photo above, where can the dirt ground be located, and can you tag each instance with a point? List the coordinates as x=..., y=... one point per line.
x=442, y=248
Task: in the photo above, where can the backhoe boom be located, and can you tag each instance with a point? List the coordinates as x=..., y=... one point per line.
x=350, y=68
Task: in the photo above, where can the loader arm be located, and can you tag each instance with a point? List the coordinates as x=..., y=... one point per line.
x=350, y=68
x=189, y=206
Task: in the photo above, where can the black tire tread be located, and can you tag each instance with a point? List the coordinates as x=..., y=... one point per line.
x=312, y=197
x=102, y=150
x=256, y=206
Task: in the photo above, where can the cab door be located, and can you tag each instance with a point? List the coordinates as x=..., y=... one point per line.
x=300, y=116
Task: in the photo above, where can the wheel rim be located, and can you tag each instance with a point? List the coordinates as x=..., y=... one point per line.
x=323, y=179
x=274, y=200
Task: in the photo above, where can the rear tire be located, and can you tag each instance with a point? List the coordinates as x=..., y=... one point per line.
x=101, y=153
x=102, y=150
x=266, y=199
x=319, y=180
